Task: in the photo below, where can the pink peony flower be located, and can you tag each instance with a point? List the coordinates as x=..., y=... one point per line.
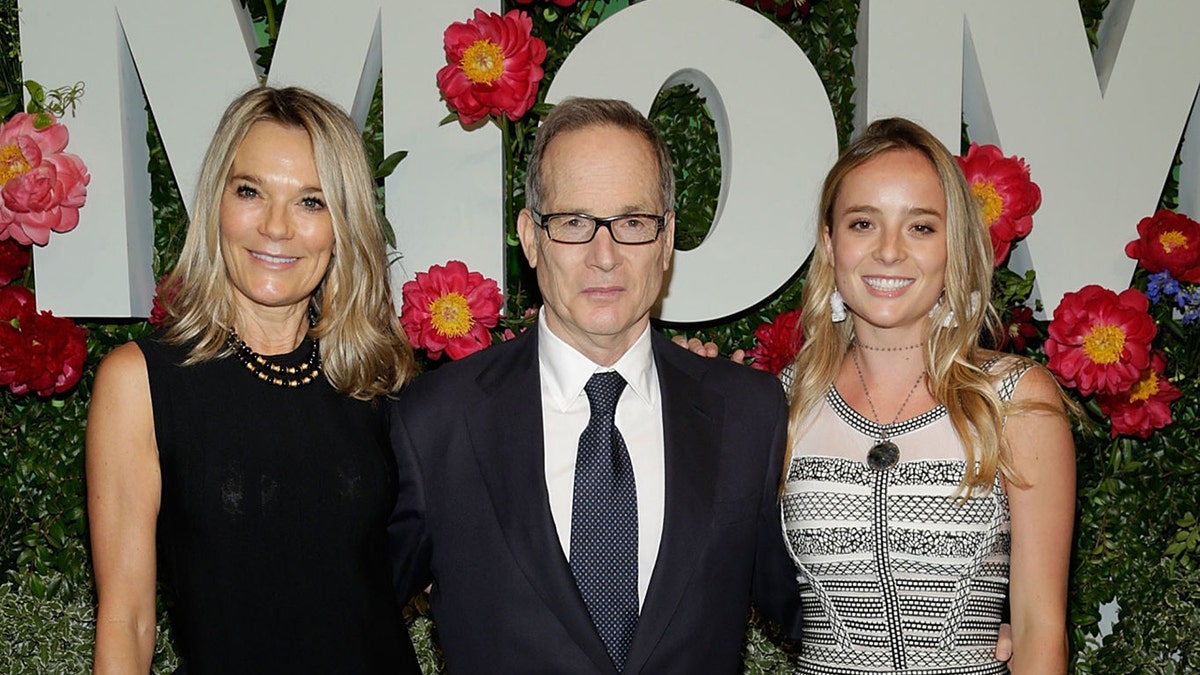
x=450, y=309
x=494, y=66
x=43, y=187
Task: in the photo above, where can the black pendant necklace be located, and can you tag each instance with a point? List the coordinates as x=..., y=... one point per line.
x=884, y=454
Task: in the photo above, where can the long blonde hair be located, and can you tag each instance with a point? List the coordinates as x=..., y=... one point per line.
x=953, y=355
x=364, y=351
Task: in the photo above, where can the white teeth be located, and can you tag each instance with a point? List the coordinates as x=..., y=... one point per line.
x=887, y=284
x=273, y=258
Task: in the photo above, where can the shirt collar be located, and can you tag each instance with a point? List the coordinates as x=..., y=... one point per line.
x=566, y=370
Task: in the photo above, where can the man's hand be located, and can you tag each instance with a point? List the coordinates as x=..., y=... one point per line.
x=708, y=349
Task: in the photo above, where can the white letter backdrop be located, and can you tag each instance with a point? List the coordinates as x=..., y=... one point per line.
x=1099, y=131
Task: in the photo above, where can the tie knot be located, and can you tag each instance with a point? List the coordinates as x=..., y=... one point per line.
x=603, y=390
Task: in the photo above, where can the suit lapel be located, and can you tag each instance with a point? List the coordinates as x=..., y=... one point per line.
x=506, y=433
x=691, y=433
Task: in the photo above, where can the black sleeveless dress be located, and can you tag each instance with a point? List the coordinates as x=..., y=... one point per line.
x=272, y=525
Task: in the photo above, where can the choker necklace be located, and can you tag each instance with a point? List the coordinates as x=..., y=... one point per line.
x=884, y=454
x=889, y=349
x=273, y=373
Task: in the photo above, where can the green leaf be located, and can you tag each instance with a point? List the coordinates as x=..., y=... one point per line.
x=9, y=103
x=37, y=96
x=389, y=163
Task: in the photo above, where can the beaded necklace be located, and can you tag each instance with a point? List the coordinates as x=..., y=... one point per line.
x=273, y=373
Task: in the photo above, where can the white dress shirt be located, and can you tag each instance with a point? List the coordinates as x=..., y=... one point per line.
x=565, y=412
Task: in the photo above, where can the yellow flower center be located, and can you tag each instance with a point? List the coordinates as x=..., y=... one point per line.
x=1171, y=240
x=451, y=315
x=12, y=163
x=989, y=200
x=483, y=62
x=1104, y=344
x=1145, y=388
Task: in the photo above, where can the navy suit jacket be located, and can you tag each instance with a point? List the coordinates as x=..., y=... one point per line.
x=473, y=518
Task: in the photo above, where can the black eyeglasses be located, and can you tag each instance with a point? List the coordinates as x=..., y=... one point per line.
x=579, y=228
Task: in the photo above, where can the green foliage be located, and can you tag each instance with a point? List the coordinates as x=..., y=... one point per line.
x=423, y=633
x=44, y=635
x=170, y=216
x=687, y=128
x=52, y=635
x=10, y=58
x=381, y=162
x=827, y=37
x=764, y=652
x=267, y=15
x=1137, y=536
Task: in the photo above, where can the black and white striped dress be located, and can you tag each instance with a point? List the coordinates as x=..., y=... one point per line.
x=897, y=575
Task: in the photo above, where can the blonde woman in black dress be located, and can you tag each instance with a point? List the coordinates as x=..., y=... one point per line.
x=241, y=450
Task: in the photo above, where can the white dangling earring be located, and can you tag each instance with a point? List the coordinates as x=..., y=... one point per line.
x=949, y=321
x=837, y=307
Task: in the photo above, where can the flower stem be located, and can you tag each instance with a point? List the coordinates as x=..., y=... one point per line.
x=272, y=26
x=587, y=14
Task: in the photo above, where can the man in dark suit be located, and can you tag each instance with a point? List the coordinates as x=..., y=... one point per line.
x=561, y=535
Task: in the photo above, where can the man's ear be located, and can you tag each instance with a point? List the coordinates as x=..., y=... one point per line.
x=668, y=236
x=527, y=232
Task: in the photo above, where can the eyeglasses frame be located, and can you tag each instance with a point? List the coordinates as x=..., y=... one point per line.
x=659, y=221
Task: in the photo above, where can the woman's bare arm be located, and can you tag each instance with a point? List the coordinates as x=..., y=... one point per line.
x=123, y=491
x=1043, y=516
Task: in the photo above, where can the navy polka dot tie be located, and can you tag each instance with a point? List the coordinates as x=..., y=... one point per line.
x=604, y=538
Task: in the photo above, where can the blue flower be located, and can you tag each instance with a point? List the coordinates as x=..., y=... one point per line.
x=1159, y=284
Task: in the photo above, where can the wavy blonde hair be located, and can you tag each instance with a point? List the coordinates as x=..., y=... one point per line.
x=953, y=355
x=364, y=351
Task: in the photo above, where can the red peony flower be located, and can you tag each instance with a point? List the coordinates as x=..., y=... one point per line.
x=14, y=258
x=495, y=65
x=1018, y=331
x=1145, y=407
x=1168, y=241
x=777, y=343
x=450, y=309
x=16, y=303
x=1099, y=341
x=43, y=187
x=1005, y=193
x=560, y=3
x=39, y=352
